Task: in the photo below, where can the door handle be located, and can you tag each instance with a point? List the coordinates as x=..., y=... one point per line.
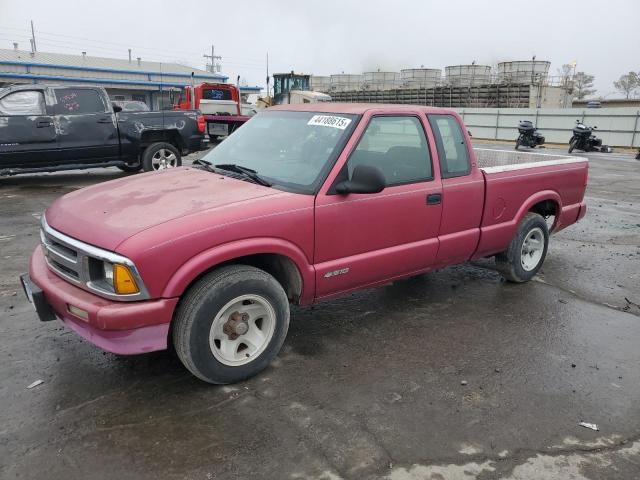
x=434, y=198
x=105, y=120
x=44, y=123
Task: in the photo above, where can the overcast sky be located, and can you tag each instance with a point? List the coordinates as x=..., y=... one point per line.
x=333, y=36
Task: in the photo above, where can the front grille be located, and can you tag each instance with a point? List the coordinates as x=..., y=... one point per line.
x=62, y=257
x=63, y=268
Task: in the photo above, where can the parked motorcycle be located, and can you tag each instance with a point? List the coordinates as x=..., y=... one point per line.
x=584, y=139
x=529, y=136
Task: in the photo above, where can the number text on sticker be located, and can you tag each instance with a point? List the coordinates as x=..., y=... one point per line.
x=330, y=121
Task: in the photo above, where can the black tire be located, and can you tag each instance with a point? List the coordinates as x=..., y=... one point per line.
x=150, y=164
x=572, y=144
x=203, y=302
x=510, y=262
x=130, y=168
x=517, y=143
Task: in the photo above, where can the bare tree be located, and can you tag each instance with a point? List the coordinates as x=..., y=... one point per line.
x=583, y=85
x=626, y=84
x=564, y=73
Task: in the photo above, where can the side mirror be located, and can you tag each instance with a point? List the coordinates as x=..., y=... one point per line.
x=594, y=127
x=117, y=108
x=365, y=179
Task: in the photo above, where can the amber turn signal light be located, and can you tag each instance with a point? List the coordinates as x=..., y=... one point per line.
x=123, y=281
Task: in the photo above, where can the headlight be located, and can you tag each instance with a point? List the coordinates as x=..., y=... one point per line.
x=108, y=272
x=120, y=278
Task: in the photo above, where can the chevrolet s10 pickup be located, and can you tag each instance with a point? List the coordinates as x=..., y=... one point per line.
x=303, y=204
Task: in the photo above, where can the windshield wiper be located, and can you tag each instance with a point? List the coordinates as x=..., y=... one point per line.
x=244, y=171
x=205, y=164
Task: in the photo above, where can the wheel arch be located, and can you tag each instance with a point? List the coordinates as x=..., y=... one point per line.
x=545, y=203
x=283, y=260
x=171, y=136
x=495, y=238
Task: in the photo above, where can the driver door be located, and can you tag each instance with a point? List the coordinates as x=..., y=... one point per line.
x=364, y=239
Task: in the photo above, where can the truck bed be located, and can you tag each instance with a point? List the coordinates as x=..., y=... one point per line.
x=496, y=161
x=514, y=183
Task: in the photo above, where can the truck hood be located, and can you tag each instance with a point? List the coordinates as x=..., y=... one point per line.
x=106, y=214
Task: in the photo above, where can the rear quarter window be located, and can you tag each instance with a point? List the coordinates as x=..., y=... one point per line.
x=77, y=101
x=452, y=148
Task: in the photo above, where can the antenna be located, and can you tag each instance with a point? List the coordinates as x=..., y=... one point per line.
x=267, y=74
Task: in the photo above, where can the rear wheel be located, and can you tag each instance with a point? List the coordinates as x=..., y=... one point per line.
x=160, y=156
x=527, y=251
x=231, y=324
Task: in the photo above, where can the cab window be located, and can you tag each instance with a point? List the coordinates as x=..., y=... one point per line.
x=397, y=146
x=28, y=102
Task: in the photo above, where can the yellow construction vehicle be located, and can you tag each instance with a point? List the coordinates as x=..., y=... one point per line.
x=289, y=88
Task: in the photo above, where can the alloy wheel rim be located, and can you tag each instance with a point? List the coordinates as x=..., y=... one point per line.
x=164, y=159
x=532, y=249
x=242, y=330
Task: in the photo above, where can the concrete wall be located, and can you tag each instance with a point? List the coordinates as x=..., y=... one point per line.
x=618, y=127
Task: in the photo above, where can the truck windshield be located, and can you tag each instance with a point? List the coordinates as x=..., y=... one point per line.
x=216, y=94
x=293, y=151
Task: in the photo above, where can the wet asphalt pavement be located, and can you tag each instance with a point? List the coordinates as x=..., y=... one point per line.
x=450, y=375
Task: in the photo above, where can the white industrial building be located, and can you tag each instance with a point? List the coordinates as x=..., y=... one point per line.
x=124, y=79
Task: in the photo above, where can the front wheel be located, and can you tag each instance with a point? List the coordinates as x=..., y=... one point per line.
x=527, y=251
x=518, y=142
x=160, y=156
x=231, y=324
x=572, y=144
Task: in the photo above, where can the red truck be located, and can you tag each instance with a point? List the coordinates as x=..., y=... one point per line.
x=304, y=203
x=220, y=103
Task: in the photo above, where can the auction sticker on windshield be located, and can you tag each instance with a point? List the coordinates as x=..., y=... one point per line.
x=330, y=121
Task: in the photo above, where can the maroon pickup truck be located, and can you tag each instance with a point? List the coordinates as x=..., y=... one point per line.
x=302, y=204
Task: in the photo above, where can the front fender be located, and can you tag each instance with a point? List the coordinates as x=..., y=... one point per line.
x=208, y=259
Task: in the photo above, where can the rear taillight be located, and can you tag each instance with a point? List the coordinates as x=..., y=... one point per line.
x=201, y=123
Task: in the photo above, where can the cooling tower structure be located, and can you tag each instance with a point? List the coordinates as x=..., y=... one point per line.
x=345, y=82
x=467, y=75
x=420, y=77
x=523, y=72
x=320, y=83
x=381, y=80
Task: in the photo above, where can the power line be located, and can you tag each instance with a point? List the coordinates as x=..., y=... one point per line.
x=85, y=41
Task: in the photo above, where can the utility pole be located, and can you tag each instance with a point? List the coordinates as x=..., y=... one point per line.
x=213, y=58
x=33, y=38
x=267, y=74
